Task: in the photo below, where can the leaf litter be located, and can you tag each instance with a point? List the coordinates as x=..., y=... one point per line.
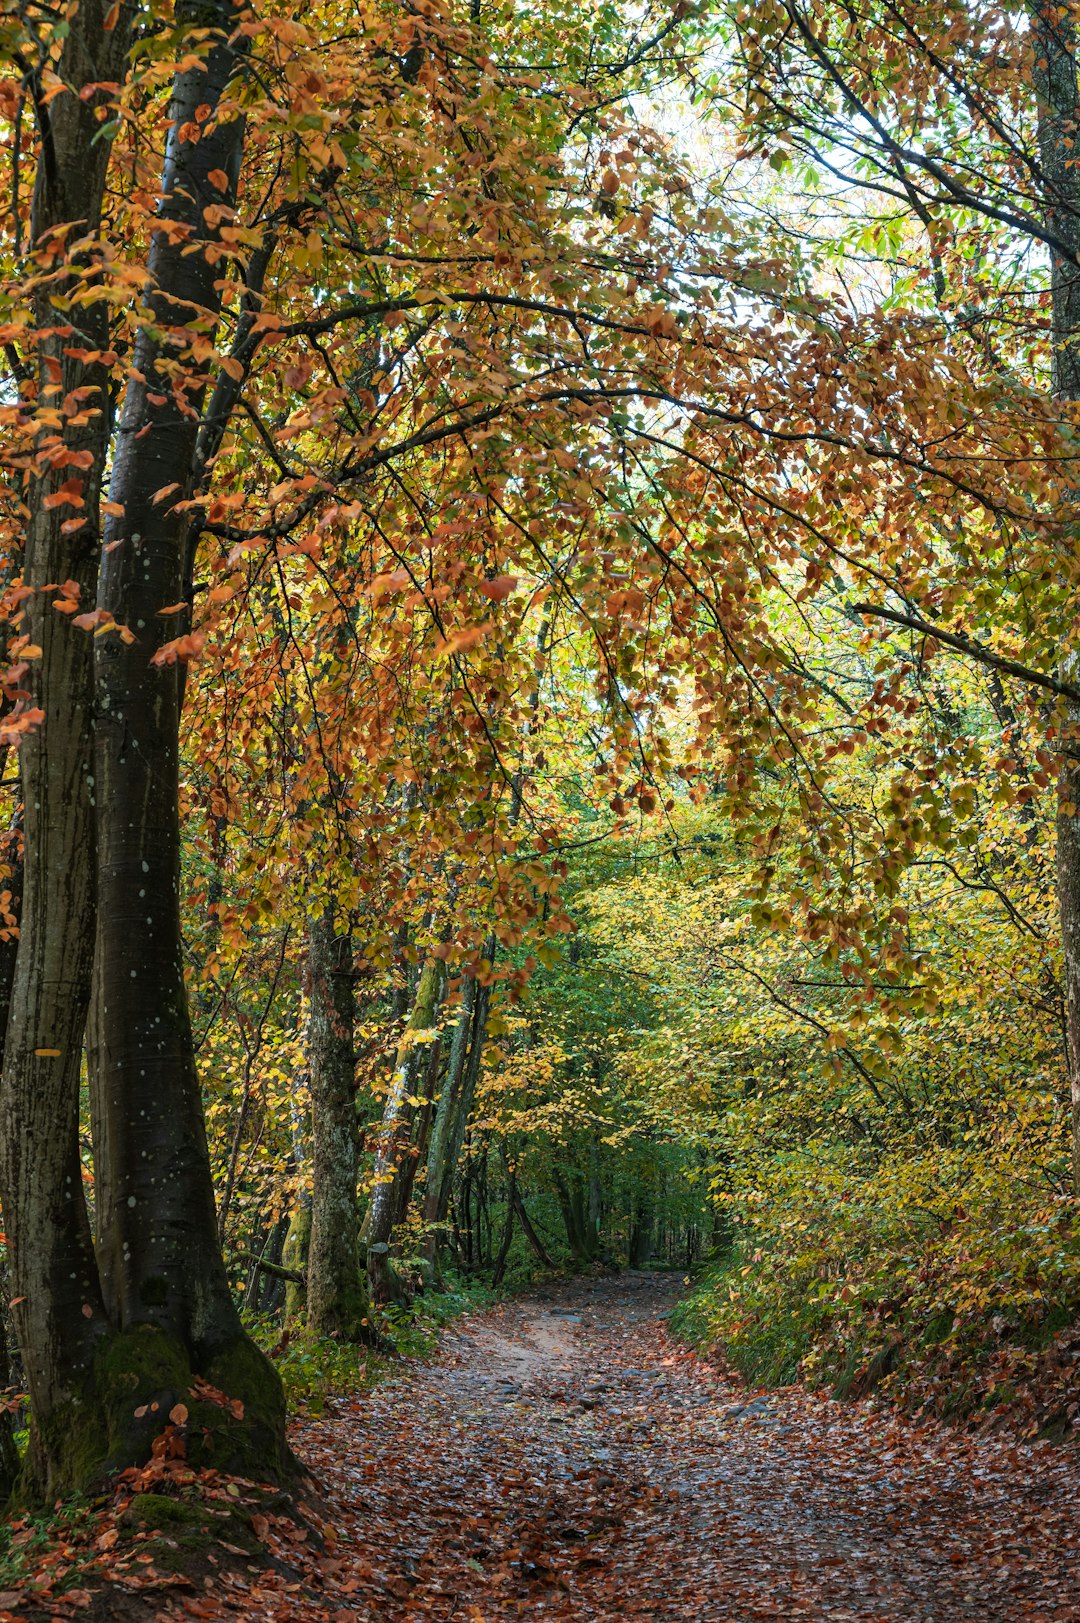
x=563, y=1458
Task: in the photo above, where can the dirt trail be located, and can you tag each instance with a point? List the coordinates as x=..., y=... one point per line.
x=562, y=1459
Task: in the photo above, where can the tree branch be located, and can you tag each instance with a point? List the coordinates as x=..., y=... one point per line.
x=974, y=650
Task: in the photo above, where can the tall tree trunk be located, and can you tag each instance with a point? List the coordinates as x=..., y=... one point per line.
x=439, y=1175
x=337, y=1299
x=499, y=1269
x=11, y=879
x=1059, y=110
x=422, y=1132
x=294, y=1252
x=527, y=1228
x=596, y=1201
x=162, y=1271
x=59, y=1316
x=641, y=1229
x=571, y=1197
x=455, y=1106
x=396, y=1121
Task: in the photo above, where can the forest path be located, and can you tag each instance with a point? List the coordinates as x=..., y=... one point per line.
x=563, y=1459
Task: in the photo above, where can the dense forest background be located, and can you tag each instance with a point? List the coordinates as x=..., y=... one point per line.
x=540, y=696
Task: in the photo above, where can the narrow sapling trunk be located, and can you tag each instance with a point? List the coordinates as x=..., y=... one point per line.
x=508, y=1225
x=337, y=1298
x=164, y=1279
x=1059, y=113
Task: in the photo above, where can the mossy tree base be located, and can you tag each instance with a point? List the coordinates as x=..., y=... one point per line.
x=146, y=1397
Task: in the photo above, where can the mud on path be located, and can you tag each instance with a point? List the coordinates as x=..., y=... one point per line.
x=563, y=1459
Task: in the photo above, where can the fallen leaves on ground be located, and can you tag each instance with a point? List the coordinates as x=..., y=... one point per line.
x=564, y=1459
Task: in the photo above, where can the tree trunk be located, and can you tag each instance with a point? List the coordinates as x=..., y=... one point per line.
x=596, y=1202
x=396, y=1121
x=59, y=1316
x=421, y=1135
x=11, y=872
x=508, y=1229
x=162, y=1271
x=439, y=1176
x=641, y=1229
x=294, y=1257
x=337, y=1300
x=483, y=1213
x=455, y=1106
x=571, y=1199
x=530, y=1233
x=1059, y=109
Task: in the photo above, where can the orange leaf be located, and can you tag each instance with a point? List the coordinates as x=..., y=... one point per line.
x=498, y=589
x=189, y=647
x=69, y=495
x=91, y=619
x=178, y=1414
x=218, y=178
x=458, y=641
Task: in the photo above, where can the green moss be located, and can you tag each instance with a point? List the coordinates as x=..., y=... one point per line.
x=139, y=1377
x=294, y=1254
x=188, y=1525
x=164, y=1514
x=74, y=1440
x=255, y=1444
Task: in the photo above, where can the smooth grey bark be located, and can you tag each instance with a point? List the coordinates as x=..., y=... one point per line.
x=455, y=1105
x=11, y=878
x=59, y=1317
x=161, y=1260
x=529, y=1231
x=1058, y=96
x=337, y=1298
x=439, y=1175
x=395, y=1125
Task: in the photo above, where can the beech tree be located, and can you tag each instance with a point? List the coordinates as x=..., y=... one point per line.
x=135, y=259
x=402, y=334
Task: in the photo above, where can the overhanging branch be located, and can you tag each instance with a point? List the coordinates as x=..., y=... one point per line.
x=974, y=650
